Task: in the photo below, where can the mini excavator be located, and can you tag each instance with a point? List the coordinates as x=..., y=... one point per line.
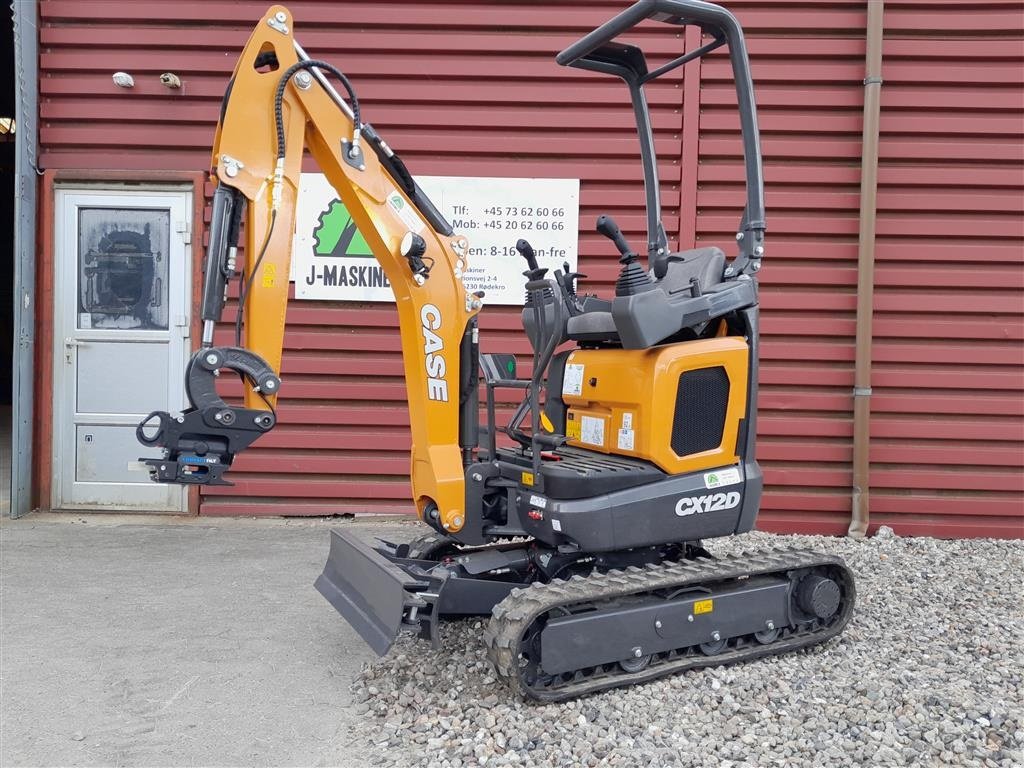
x=635, y=437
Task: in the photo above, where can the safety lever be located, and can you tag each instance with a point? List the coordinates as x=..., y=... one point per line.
x=200, y=444
x=569, y=278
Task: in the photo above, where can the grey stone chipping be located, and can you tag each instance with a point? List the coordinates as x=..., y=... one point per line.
x=928, y=673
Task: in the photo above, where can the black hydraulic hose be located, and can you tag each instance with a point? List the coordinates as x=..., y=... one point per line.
x=283, y=83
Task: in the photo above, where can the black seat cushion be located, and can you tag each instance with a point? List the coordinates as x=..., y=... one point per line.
x=592, y=327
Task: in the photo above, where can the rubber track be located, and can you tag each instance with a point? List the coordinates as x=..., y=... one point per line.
x=514, y=615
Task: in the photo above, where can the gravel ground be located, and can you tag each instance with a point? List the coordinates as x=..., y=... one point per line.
x=927, y=673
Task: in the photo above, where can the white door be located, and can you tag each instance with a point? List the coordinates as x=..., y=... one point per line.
x=121, y=323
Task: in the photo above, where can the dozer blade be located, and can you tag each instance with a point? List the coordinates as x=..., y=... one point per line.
x=367, y=589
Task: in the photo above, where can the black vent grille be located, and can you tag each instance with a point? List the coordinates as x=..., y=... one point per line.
x=701, y=403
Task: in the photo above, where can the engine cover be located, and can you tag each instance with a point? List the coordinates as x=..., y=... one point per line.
x=678, y=406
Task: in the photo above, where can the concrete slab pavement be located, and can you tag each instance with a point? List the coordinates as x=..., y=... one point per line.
x=144, y=642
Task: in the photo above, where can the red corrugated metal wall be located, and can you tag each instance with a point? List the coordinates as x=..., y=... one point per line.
x=947, y=429
x=807, y=69
x=470, y=88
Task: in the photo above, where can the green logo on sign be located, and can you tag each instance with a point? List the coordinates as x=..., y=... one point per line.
x=336, y=234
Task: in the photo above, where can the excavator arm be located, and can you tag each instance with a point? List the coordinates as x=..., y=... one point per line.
x=278, y=104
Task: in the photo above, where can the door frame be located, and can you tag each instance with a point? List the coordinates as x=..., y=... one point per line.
x=75, y=196
x=97, y=180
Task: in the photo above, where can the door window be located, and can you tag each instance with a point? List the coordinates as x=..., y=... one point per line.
x=122, y=268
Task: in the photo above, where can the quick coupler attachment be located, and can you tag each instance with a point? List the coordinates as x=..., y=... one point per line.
x=200, y=444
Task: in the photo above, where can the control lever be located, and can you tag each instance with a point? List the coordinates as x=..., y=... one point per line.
x=535, y=272
x=606, y=226
x=632, y=277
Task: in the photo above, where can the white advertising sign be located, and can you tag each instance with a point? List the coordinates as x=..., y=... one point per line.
x=331, y=260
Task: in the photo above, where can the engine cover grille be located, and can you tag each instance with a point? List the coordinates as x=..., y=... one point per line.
x=701, y=402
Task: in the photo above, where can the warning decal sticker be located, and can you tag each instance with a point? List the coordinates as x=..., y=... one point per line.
x=405, y=212
x=592, y=430
x=572, y=380
x=626, y=441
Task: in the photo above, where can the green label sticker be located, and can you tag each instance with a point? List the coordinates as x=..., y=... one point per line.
x=722, y=477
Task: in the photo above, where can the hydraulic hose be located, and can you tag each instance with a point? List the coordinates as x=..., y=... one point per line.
x=283, y=83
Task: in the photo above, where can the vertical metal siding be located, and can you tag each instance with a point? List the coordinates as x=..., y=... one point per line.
x=947, y=433
x=458, y=88
x=471, y=88
x=807, y=63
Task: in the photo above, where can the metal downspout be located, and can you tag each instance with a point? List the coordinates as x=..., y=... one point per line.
x=26, y=68
x=866, y=272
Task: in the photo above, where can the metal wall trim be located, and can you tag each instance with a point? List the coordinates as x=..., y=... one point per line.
x=26, y=58
x=861, y=491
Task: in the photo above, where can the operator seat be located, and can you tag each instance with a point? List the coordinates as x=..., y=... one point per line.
x=594, y=325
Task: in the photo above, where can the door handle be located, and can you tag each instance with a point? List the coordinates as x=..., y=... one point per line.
x=69, y=348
